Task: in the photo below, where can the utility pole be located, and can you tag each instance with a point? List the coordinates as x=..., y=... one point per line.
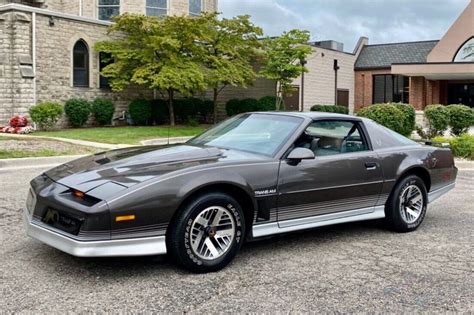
x=336, y=68
x=303, y=62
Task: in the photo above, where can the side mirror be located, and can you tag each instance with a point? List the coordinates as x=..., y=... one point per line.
x=299, y=154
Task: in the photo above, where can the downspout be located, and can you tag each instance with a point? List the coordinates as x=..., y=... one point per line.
x=33, y=53
x=81, y=10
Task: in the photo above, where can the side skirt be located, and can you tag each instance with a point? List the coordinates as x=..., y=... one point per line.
x=371, y=213
x=435, y=194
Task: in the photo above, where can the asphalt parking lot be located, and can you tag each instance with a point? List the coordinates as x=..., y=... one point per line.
x=359, y=267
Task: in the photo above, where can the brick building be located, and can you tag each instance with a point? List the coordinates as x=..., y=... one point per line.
x=420, y=73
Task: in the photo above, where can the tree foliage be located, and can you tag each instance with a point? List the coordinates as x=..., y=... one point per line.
x=157, y=53
x=283, y=56
x=230, y=48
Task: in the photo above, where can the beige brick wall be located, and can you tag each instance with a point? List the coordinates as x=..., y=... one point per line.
x=319, y=87
x=89, y=7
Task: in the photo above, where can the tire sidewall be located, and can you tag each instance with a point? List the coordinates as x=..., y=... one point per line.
x=183, y=240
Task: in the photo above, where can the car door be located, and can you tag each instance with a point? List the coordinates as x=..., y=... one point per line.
x=345, y=178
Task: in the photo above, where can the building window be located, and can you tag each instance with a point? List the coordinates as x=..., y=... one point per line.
x=195, y=7
x=105, y=59
x=389, y=88
x=108, y=9
x=156, y=7
x=80, y=57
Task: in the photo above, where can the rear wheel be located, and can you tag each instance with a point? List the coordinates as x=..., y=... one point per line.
x=208, y=233
x=406, y=207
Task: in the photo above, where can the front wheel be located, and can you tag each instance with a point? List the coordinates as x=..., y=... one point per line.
x=208, y=233
x=406, y=207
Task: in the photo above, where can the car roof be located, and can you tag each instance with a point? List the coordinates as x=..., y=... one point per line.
x=311, y=115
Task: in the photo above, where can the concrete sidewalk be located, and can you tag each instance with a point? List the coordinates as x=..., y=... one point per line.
x=99, y=145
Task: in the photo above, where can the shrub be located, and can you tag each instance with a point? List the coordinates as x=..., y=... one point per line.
x=267, y=104
x=184, y=109
x=330, y=109
x=140, y=111
x=159, y=111
x=387, y=115
x=207, y=110
x=77, y=111
x=409, y=120
x=462, y=146
x=249, y=105
x=438, y=120
x=103, y=110
x=232, y=107
x=46, y=115
x=461, y=117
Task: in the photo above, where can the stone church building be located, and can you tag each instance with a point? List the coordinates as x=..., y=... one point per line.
x=46, y=48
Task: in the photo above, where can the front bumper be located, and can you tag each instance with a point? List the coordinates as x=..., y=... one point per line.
x=109, y=248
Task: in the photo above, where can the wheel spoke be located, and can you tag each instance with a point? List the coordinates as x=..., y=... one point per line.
x=416, y=199
x=202, y=221
x=211, y=247
x=413, y=213
x=225, y=233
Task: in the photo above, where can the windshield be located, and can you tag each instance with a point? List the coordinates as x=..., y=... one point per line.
x=256, y=133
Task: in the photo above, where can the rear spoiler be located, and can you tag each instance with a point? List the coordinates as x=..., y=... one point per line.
x=434, y=143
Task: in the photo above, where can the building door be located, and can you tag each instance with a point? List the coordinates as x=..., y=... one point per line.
x=461, y=94
x=343, y=98
x=292, y=99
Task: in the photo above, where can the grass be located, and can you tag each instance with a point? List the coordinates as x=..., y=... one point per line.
x=14, y=154
x=124, y=135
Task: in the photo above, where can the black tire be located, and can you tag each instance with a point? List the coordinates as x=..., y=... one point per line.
x=179, y=238
x=394, y=208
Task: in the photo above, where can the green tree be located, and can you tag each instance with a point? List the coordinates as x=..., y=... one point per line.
x=230, y=48
x=283, y=56
x=157, y=53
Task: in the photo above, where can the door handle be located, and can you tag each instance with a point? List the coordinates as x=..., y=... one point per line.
x=371, y=165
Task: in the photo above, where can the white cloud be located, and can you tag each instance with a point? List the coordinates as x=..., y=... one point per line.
x=346, y=20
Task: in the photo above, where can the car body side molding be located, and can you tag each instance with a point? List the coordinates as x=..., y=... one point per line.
x=435, y=194
x=363, y=214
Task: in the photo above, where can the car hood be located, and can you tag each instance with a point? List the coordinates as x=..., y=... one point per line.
x=130, y=166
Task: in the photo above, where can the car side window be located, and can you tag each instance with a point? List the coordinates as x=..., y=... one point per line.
x=331, y=137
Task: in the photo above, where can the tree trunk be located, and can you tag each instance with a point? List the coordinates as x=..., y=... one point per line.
x=216, y=93
x=279, y=97
x=171, y=106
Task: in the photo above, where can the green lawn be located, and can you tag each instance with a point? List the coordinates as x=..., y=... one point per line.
x=125, y=135
x=15, y=154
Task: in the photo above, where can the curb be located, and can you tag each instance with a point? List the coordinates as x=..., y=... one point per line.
x=464, y=164
x=165, y=141
x=92, y=144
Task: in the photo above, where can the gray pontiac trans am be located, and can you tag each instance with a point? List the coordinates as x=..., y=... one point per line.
x=252, y=176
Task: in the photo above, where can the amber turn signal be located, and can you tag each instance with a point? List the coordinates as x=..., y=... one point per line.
x=78, y=194
x=121, y=218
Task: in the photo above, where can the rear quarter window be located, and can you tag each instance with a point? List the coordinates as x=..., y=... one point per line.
x=382, y=137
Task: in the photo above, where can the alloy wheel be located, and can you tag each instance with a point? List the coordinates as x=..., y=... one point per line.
x=411, y=203
x=212, y=232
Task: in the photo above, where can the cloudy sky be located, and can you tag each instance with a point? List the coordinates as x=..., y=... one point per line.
x=383, y=21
